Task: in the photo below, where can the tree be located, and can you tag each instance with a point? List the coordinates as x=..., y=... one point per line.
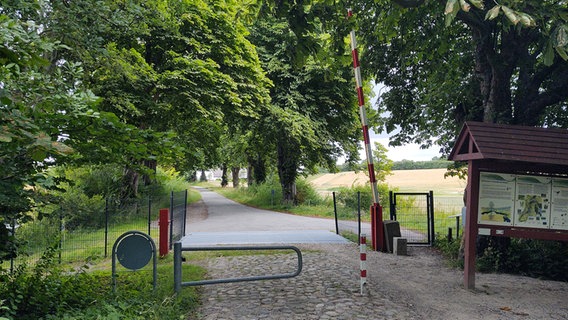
x=183, y=72
x=38, y=103
x=383, y=165
x=494, y=61
x=312, y=118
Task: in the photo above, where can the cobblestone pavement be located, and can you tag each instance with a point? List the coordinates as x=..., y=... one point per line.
x=327, y=288
x=417, y=286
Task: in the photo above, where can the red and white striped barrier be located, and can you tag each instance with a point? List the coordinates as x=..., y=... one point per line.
x=363, y=260
x=363, y=113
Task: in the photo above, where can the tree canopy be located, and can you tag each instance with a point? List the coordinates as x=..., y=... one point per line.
x=450, y=61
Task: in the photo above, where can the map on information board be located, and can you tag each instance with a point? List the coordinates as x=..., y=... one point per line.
x=532, y=202
x=559, y=207
x=496, y=198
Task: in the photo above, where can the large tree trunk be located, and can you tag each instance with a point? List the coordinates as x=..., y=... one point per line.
x=130, y=181
x=287, y=170
x=224, y=180
x=494, y=71
x=152, y=165
x=235, y=172
x=250, y=179
x=259, y=170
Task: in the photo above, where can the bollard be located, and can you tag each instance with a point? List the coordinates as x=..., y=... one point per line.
x=363, y=260
x=164, y=231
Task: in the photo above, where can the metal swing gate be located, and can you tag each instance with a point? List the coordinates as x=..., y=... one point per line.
x=415, y=214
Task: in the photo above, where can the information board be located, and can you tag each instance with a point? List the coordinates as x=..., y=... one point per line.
x=523, y=201
x=559, y=207
x=496, y=194
x=532, y=202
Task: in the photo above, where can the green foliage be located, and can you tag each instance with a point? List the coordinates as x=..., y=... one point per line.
x=534, y=258
x=37, y=101
x=416, y=165
x=45, y=291
x=312, y=118
x=306, y=194
x=348, y=196
x=450, y=250
x=503, y=62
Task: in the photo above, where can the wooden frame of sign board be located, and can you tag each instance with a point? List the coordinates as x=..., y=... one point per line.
x=517, y=184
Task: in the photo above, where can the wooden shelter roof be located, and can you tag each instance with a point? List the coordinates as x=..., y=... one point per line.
x=480, y=140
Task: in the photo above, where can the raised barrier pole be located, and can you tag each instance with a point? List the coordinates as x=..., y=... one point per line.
x=376, y=209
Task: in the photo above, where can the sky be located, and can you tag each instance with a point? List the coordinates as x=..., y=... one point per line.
x=406, y=152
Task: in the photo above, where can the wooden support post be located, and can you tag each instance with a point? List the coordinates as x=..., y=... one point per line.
x=471, y=231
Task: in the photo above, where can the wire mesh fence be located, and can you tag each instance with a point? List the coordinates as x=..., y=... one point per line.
x=353, y=216
x=178, y=213
x=80, y=242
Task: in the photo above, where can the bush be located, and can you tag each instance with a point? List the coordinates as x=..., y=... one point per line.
x=348, y=196
x=82, y=211
x=48, y=292
x=528, y=257
x=306, y=194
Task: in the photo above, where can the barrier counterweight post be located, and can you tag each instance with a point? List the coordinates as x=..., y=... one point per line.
x=363, y=260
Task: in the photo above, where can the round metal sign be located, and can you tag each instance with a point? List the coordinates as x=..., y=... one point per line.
x=134, y=251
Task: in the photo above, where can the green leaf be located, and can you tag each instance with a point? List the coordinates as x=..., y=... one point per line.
x=38, y=154
x=451, y=6
x=511, y=15
x=5, y=137
x=526, y=19
x=478, y=4
x=465, y=6
x=452, y=9
x=562, y=36
x=549, y=54
x=562, y=53
x=492, y=13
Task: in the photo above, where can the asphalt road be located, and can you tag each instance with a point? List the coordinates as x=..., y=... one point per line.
x=229, y=222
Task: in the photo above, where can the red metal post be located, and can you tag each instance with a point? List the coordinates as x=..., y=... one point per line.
x=164, y=229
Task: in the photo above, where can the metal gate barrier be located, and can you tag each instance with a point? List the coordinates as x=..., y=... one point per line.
x=178, y=260
x=415, y=213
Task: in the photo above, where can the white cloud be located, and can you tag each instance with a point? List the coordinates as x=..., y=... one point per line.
x=406, y=152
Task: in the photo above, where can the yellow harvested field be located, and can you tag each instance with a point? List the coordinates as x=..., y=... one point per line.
x=405, y=180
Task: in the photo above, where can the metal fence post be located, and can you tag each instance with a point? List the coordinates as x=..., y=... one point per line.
x=171, y=219
x=359, y=216
x=177, y=267
x=149, y=213
x=13, y=231
x=392, y=206
x=60, y=233
x=335, y=212
x=431, y=209
x=184, y=211
x=106, y=227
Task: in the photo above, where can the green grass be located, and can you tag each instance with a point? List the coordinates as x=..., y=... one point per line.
x=88, y=293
